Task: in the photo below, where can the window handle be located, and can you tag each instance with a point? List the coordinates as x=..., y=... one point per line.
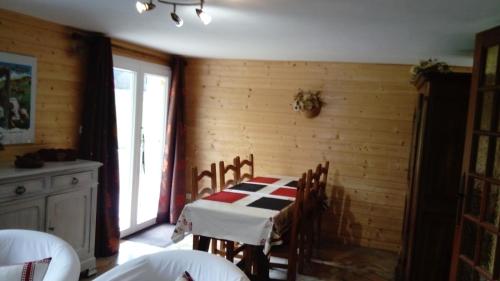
x=143, y=148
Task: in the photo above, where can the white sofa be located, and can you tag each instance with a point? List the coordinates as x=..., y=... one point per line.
x=19, y=246
x=169, y=265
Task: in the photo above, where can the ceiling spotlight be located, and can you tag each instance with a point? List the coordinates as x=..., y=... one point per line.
x=204, y=17
x=144, y=6
x=178, y=21
x=147, y=5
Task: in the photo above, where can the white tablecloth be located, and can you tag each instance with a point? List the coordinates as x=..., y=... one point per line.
x=236, y=221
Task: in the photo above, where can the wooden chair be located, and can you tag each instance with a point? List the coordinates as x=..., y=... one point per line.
x=225, y=169
x=290, y=250
x=241, y=165
x=321, y=176
x=197, y=193
x=228, y=247
x=309, y=215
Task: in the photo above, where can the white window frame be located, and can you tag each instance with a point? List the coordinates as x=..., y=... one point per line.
x=140, y=68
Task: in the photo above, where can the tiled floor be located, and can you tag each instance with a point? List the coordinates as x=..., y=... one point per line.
x=332, y=263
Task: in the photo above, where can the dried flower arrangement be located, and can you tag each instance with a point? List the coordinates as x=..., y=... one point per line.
x=429, y=66
x=307, y=100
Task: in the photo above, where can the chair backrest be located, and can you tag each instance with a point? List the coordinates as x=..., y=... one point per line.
x=169, y=265
x=321, y=174
x=224, y=169
x=297, y=221
x=19, y=246
x=196, y=191
x=241, y=165
x=311, y=191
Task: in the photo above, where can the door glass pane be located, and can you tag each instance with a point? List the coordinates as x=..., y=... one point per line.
x=465, y=272
x=492, y=207
x=486, y=110
x=125, y=81
x=482, y=153
x=469, y=232
x=490, y=70
x=473, y=199
x=488, y=249
x=153, y=136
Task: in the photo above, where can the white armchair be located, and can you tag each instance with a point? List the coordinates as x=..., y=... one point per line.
x=169, y=265
x=19, y=246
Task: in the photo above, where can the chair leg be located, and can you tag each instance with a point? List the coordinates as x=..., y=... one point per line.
x=310, y=240
x=261, y=264
x=196, y=241
x=301, y=250
x=215, y=246
x=318, y=240
x=203, y=243
x=248, y=255
x=230, y=251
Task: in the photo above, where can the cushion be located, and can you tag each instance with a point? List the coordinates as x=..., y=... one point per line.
x=185, y=277
x=28, y=271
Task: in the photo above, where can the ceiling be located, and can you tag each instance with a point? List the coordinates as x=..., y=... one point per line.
x=379, y=31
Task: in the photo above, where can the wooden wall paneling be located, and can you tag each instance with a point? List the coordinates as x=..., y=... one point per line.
x=238, y=107
x=61, y=76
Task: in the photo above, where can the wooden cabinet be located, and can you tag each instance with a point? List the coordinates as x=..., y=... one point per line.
x=434, y=176
x=59, y=198
x=28, y=214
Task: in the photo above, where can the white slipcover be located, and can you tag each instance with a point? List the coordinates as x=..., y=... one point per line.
x=168, y=265
x=19, y=246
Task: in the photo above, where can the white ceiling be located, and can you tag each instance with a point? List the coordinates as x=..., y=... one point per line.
x=382, y=31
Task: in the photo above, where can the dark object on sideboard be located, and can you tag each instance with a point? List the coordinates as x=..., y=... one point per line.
x=434, y=176
x=58, y=154
x=29, y=161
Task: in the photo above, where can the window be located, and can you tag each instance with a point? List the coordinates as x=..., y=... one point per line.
x=141, y=92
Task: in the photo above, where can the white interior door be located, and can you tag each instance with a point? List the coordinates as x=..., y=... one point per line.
x=141, y=91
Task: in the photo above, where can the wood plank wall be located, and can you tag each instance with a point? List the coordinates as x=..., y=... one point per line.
x=239, y=107
x=61, y=75
x=60, y=79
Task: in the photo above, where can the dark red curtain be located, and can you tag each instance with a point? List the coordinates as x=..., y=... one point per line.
x=173, y=185
x=98, y=141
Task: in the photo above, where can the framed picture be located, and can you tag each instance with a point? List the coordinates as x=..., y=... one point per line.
x=17, y=98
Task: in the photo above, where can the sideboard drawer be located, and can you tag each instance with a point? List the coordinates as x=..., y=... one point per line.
x=72, y=180
x=21, y=188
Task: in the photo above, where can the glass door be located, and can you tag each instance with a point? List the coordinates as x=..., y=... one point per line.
x=476, y=254
x=141, y=91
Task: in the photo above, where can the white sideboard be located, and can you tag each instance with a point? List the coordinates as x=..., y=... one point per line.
x=59, y=198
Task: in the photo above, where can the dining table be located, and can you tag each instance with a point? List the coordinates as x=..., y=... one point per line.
x=255, y=213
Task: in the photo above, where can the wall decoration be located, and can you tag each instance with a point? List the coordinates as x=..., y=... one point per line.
x=428, y=66
x=17, y=98
x=308, y=102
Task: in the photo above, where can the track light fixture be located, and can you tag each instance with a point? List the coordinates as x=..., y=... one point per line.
x=204, y=17
x=178, y=21
x=143, y=6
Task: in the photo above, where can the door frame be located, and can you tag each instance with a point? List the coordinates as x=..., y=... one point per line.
x=484, y=40
x=140, y=68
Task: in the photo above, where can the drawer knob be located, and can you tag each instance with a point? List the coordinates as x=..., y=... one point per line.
x=20, y=190
x=51, y=228
x=74, y=181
